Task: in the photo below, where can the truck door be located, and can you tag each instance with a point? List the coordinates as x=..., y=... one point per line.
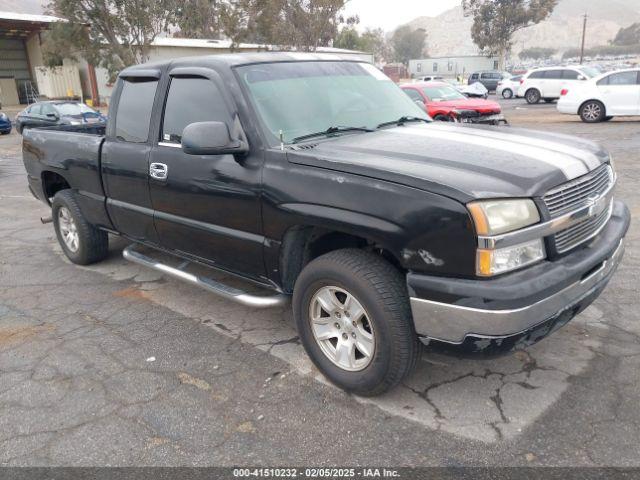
x=125, y=158
x=207, y=206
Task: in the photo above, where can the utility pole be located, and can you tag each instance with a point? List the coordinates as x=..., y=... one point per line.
x=584, y=34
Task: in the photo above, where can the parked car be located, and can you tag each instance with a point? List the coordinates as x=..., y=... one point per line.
x=444, y=103
x=508, y=87
x=430, y=78
x=489, y=78
x=475, y=90
x=547, y=83
x=57, y=112
x=321, y=181
x=603, y=97
x=5, y=124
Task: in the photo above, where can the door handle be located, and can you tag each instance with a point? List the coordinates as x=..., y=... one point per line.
x=159, y=171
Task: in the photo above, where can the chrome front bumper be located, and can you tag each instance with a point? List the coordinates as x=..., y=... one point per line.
x=453, y=323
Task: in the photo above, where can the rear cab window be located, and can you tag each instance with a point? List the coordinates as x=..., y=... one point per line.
x=133, y=115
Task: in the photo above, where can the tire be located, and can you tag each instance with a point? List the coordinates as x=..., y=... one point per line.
x=507, y=94
x=592, y=111
x=91, y=244
x=532, y=96
x=384, y=326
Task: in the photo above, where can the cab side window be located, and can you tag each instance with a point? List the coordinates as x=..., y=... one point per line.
x=133, y=115
x=415, y=96
x=191, y=100
x=570, y=75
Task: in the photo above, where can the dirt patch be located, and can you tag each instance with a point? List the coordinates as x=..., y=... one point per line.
x=13, y=335
x=133, y=293
x=187, y=379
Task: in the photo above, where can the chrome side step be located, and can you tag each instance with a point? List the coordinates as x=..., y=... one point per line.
x=208, y=284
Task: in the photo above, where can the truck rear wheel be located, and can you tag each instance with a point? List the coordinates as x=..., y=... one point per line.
x=81, y=242
x=354, y=320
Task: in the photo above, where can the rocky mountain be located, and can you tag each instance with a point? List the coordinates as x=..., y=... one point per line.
x=450, y=32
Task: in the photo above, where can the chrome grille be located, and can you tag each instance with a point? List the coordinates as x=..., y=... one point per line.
x=575, y=194
x=582, y=231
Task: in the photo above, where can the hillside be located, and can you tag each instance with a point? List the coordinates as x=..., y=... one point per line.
x=449, y=33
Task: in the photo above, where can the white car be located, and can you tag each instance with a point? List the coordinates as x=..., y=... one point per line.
x=604, y=97
x=430, y=78
x=508, y=87
x=547, y=83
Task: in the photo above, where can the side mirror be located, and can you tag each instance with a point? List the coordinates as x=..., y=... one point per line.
x=581, y=77
x=53, y=116
x=211, y=138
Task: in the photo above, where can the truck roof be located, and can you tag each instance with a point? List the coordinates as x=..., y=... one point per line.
x=236, y=59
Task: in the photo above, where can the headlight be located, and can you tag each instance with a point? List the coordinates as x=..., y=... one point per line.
x=494, y=217
x=495, y=262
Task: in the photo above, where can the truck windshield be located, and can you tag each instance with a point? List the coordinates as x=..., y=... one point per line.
x=301, y=98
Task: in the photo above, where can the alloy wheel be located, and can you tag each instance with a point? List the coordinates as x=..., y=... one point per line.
x=342, y=328
x=592, y=112
x=68, y=229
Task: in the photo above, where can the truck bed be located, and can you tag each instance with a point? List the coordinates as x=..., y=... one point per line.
x=73, y=153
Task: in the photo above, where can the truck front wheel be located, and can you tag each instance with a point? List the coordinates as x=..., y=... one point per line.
x=81, y=242
x=353, y=316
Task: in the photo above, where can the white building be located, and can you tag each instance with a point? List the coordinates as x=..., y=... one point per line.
x=451, y=67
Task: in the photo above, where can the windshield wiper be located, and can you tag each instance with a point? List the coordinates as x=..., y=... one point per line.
x=331, y=131
x=403, y=120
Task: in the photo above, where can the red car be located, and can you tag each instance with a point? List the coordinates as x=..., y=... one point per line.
x=443, y=102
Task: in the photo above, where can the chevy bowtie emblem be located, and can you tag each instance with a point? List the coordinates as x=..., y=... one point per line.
x=596, y=204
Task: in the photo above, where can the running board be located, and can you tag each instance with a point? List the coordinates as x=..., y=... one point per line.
x=208, y=284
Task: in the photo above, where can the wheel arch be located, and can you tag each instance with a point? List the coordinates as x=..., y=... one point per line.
x=303, y=243
x=52, y=183
x=593, y=100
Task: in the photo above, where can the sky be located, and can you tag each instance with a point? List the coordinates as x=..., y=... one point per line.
x=388, y=14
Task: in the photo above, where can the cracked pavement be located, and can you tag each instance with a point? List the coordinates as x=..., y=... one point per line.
x=114, y=364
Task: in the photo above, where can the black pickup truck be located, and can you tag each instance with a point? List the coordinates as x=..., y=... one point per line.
x=317, y=178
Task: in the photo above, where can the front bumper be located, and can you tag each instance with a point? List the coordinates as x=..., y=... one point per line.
x=453, y=310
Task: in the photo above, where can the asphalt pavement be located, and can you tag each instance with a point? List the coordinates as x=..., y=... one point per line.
x=116, y=365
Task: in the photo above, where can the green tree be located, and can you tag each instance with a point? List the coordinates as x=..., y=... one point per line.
x=537, y=53
x=303, y=24
x=375, y=41
x=628, y=36
x=350, y=39
x=495, y=21
x=107, y=33
x=371, y=41
x=408, y=44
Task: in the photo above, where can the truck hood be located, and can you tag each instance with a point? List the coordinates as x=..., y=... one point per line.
x=459, y=161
